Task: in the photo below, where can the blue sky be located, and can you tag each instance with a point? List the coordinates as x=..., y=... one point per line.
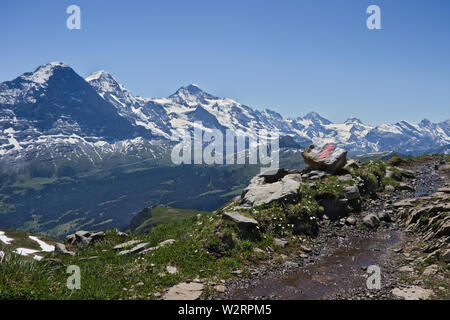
x=289, y=56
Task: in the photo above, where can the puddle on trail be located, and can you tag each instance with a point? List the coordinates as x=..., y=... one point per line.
x=337, y=269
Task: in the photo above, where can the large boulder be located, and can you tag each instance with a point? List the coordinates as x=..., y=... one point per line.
x=269, y=187
x=327, y=157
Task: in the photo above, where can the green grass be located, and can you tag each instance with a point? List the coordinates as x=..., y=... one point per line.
x=107, y=276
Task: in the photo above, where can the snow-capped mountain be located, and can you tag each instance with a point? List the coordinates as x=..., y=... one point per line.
x=53, y=112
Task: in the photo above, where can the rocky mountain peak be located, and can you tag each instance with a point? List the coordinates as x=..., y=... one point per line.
x=43, y=73
x=316, y=118
x=353, y=121
x=190, y=95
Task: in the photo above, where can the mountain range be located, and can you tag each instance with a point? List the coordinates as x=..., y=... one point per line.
x=53, y=114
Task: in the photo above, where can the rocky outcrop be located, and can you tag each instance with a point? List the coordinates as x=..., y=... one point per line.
x=327, y=157
x=82, y=238
x=272, y=186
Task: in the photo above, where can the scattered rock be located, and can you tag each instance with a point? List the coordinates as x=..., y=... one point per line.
x=258, y=250
x=220, y=288
x=351, y=192
x=327, y=157
x=384, y=216
x=184, y=291
x=126, y=244
x=389, y=188
x=280, y=243
x=346, y=177
x=61, y=249
x=351, y=220
x=138, y=248
x=393, y=175
x=430, y=270
x=406, y=269
x=171, y=269
x=371, y=220
x=305, y=248
x=412, y=293
x=405, y=187
x=166, y=242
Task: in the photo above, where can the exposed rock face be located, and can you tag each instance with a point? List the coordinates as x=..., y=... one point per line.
x=272, y=186
x=327, y=157
x=81, y=238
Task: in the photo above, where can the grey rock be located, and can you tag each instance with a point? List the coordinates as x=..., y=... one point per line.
x=350, y=221
x=389, y=188
x=280, y=243
x=406, y=187
x=346, y=177
x=184, y=291
x=351, y=192
x=371, y=220
x=82, y=238
x=171, y=269
x=259, y=192
x=61, y=249
x=240, y=219
x=136, y=249
x=384, y=216
x=126, y=244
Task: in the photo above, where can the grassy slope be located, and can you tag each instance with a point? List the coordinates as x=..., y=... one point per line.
x=164, y=215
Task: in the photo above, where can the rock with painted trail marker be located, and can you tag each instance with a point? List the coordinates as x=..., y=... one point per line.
x=327, y=157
